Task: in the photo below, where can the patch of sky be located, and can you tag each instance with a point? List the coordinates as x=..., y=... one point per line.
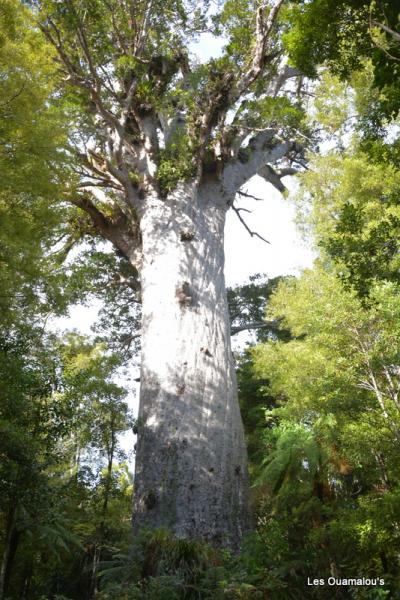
x=207, y=46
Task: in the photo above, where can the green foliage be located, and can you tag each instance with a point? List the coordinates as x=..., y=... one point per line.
x=294, y=462
x=341, y=34
x=62, y=493
x=247, y=302
x=253, y=405
x=279, y=111
x=62, y=489
x=355, y=215
x=333, y=103
x=334, y=30
x=330, y=466
x=236, y=23
x=176, y=161
x=161, y=566
x=31, y=124
x=32, y=152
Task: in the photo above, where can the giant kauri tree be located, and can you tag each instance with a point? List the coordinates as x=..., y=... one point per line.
x=162, y=145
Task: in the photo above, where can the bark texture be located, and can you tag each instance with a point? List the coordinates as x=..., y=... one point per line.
x=191, y=464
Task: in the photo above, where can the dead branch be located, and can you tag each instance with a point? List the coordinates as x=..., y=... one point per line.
x=252, y=233
x=247, y=195
x=274, y=325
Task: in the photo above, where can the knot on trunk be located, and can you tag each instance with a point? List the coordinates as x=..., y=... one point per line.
x=183, y=295
x=205, y=351
x=150, y=500
x=186, y=235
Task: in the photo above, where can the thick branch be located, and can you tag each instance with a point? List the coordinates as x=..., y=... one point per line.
x=286, y=73
x=148, y=128
x=141, y=37
x=75, y=75
x=260, y=151
x=274, y=176
x=268, y=173
x=94, y=84
x=117, y=230
x=263, y=32
x=231, y=89
x=107, y=171
x=127, y=340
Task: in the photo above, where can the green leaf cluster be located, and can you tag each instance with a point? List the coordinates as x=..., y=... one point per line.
x=354, y=215
x=176, y=161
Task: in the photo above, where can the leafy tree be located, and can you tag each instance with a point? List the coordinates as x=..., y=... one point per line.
x=169, y=142
x=39, y=230
x=354, y=215
x=100, y=415
x=335, y=451
x=107, y=276
x=342, y=34
x=33, y=137
x=66, y=491
x=32, y=131
x=33, y=421
x=247, y=306
x=39, y=410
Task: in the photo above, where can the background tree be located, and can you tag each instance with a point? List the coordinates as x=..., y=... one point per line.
x=336, y=444
x=341, y=35
x=355, y=215
x=32, y=134
x=100, y=416
x=247, y=307
x=41, y=535
x=329, y=433
x=247, y=304
x=65, y=487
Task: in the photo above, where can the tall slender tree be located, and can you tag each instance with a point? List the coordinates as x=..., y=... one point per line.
x=163, y=143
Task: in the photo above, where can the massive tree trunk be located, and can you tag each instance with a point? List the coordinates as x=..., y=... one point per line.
x=191, y=463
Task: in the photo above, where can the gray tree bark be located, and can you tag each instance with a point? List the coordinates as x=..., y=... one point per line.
x=191, y=463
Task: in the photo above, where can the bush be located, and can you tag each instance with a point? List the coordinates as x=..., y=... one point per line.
x=162, y=567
